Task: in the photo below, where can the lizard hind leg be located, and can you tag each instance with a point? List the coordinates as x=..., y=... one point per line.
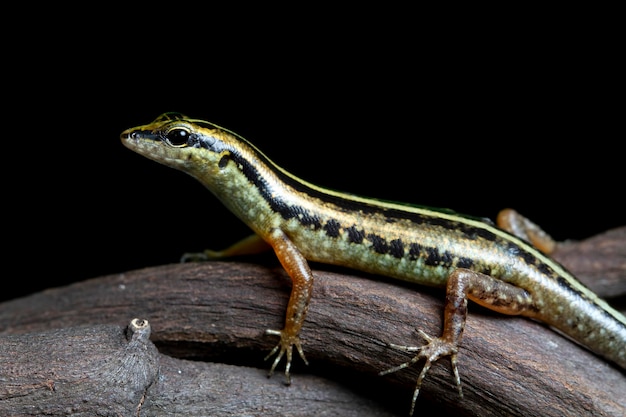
x=463, y=284
x=518, y=225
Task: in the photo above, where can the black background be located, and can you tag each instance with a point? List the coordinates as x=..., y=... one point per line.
x=476, y=122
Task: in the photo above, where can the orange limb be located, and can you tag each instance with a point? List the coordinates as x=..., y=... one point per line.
x=518, y=225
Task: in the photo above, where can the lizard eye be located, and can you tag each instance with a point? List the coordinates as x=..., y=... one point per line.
x=177, y=137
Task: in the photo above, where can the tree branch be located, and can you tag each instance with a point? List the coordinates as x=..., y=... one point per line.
x=219, y=311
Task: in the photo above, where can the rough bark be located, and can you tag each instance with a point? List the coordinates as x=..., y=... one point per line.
x=66, y=351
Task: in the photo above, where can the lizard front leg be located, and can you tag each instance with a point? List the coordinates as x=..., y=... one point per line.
x=463, y=284
x=298, y=269
x=251, y=245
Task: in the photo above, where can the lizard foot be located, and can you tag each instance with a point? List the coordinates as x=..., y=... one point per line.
x=435, y=349
x=284, y=346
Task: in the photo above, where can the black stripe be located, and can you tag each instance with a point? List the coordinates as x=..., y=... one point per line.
x=432, y=256
x=287, y=212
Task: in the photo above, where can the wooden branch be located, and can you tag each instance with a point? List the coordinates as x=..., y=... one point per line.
x=82, y=369
x=599, y=262
x=218, y=312
x=106, y=370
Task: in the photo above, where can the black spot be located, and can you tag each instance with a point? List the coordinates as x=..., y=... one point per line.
x=354, y=235
x=332, y=228
x=514, y=250
x=432, y=256
x=545, y=269
x=435, y=258
x=463, y=262
x=378, y=243
x=309, y=220
x=304, y=216
x=396, y=248
x=414, y=251
x=223, y=161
